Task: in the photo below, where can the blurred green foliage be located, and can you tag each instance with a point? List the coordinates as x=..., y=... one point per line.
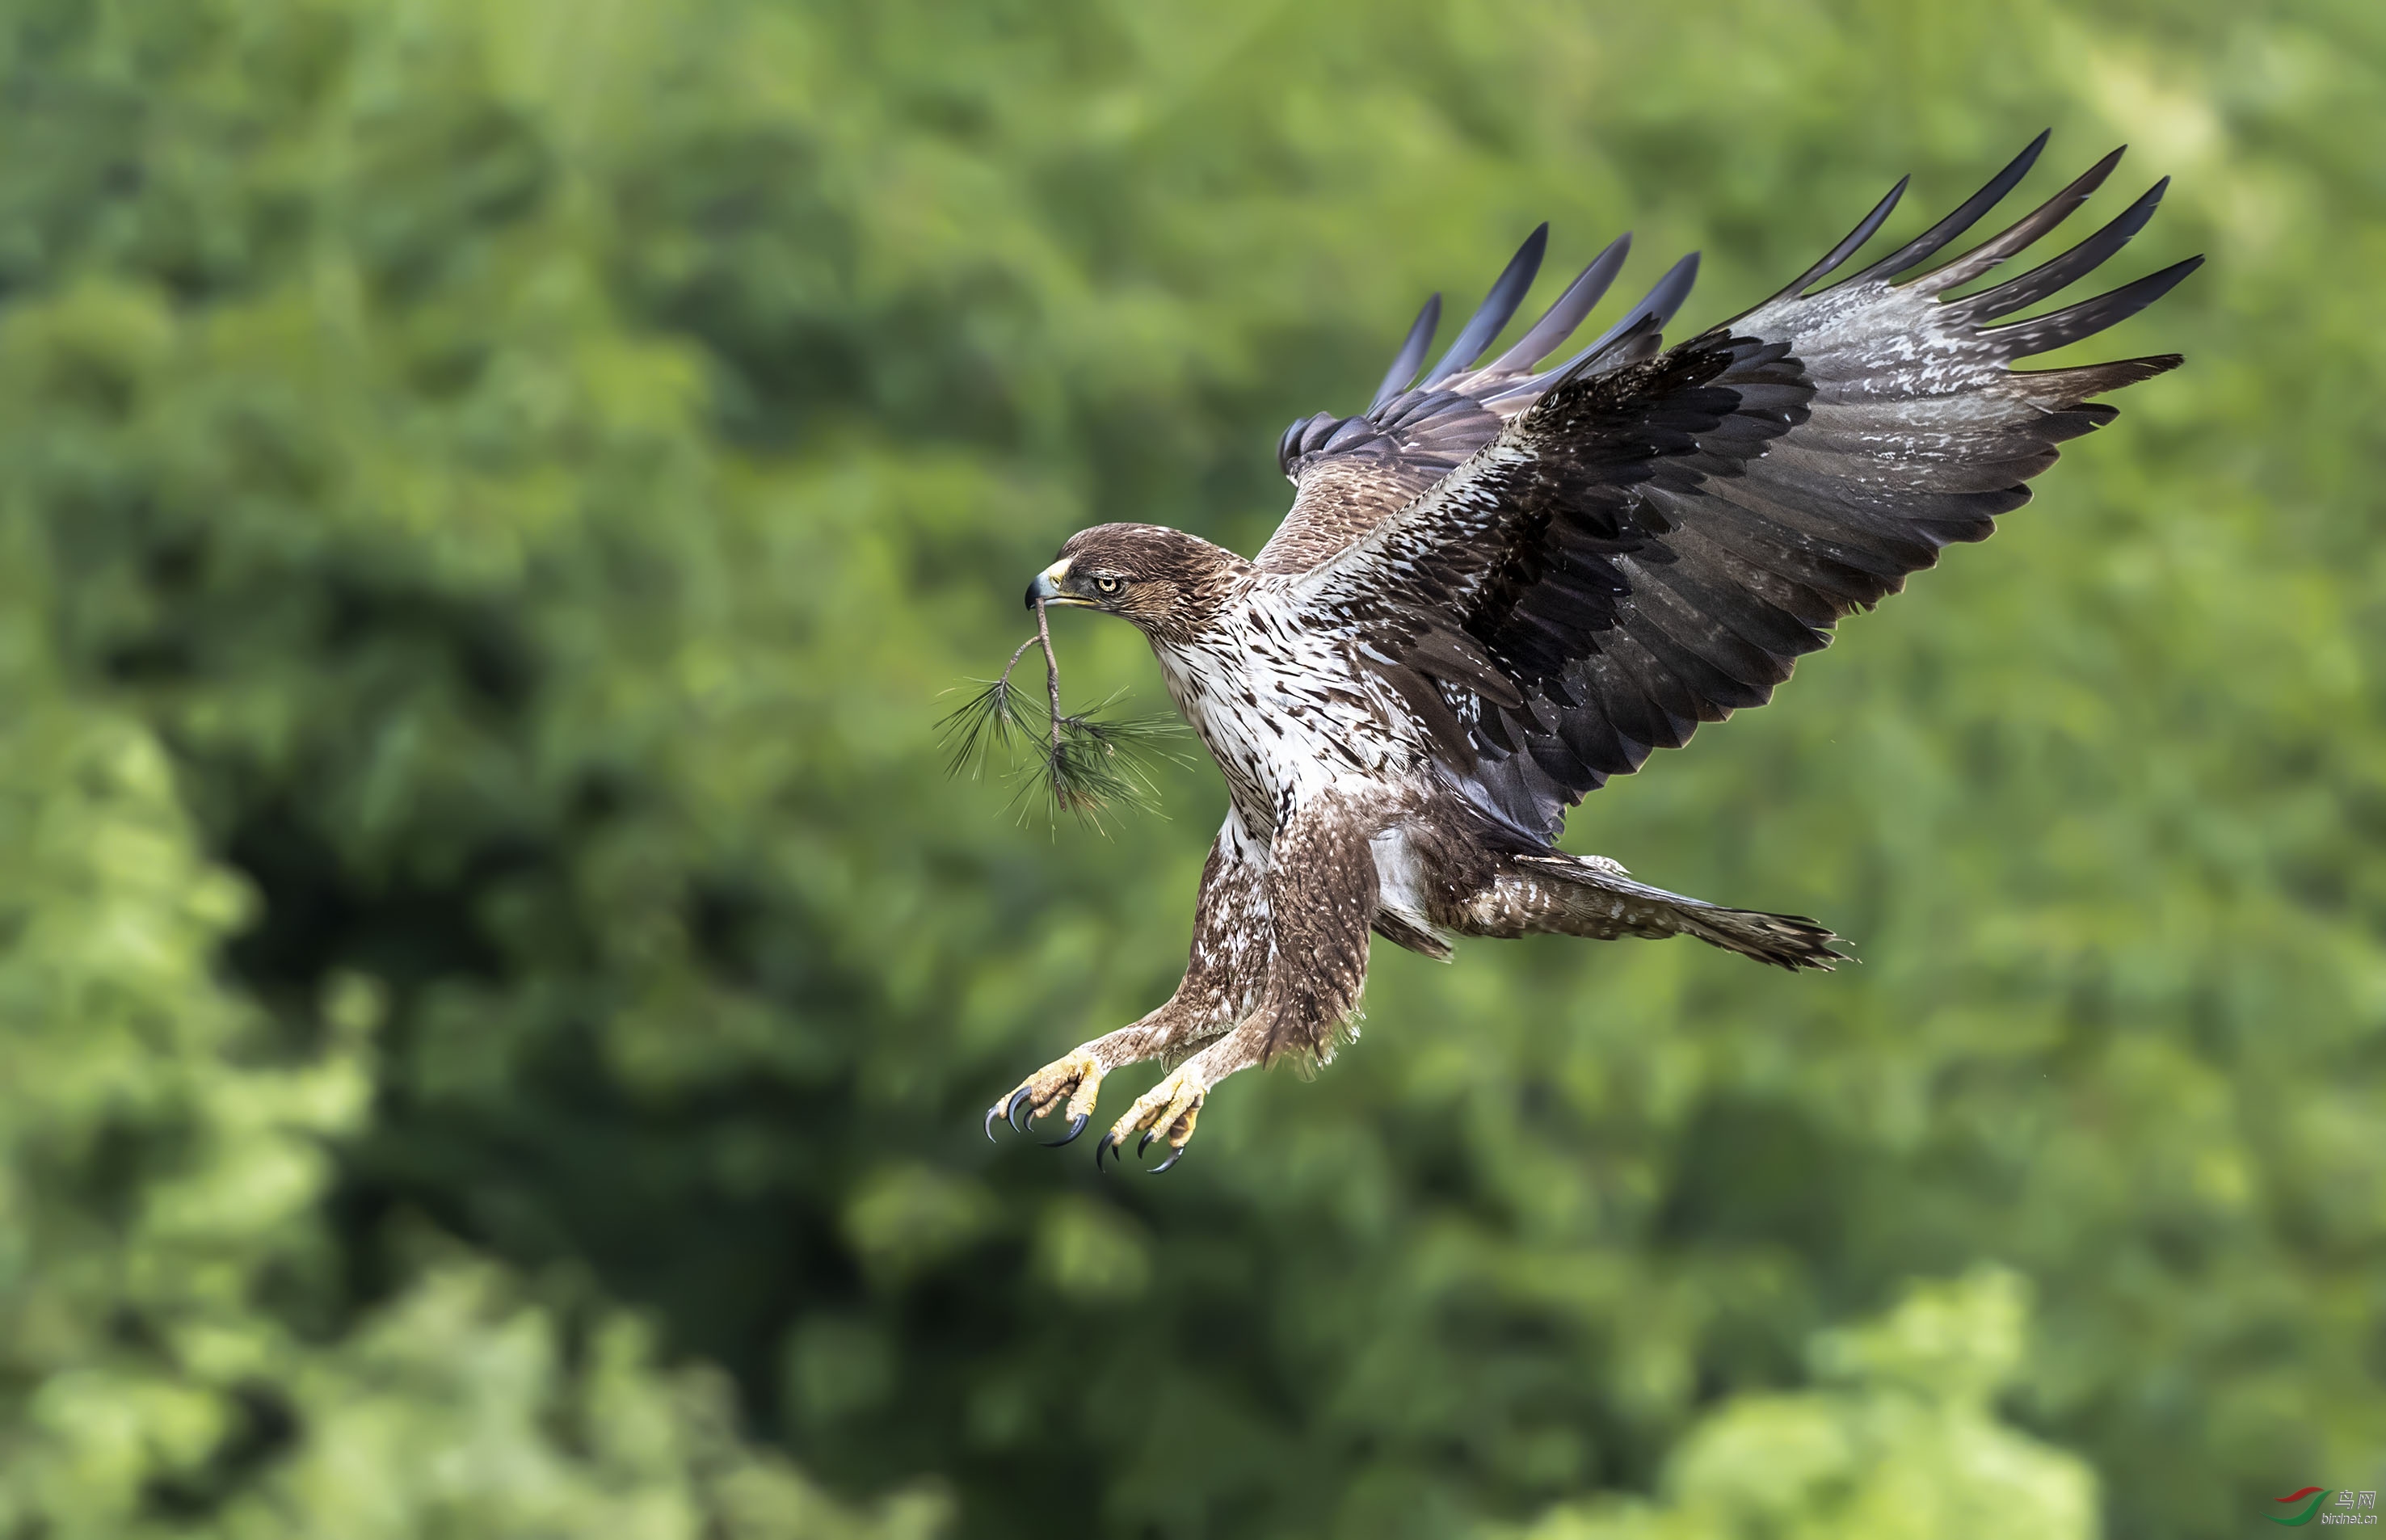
x=498, y=995
x=1903, y=1440
x=177, y=1346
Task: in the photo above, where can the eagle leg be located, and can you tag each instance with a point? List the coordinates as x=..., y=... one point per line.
x=1073, y=1080
x=1167, y=1111
x=1321, y=888
x=1221, y=978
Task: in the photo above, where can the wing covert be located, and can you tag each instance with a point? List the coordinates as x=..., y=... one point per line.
x=1352, y=473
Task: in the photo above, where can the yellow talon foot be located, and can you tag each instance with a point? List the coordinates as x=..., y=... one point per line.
x=1076, y=1079
x=1166, y=1112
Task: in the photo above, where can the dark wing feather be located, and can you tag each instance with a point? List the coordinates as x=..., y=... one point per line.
x=1404, y=363
x=1588, y=288
x=1352, y=472
x=1654, y=538
x=1498, y=306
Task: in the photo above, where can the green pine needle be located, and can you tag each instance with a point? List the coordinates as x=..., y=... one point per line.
x=1086, y=762
x=987, y=722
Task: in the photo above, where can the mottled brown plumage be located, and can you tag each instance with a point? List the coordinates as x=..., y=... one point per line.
x=1497, y=588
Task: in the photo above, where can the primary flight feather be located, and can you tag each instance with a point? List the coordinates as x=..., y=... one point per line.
x=1497, y=587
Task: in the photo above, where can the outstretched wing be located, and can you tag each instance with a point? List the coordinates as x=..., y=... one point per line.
x=1352, y=472
x=1656, y=538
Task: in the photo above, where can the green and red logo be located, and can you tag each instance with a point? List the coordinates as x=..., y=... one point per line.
x=2316, y=1495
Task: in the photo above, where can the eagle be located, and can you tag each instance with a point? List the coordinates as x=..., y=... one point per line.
x=1500, y=585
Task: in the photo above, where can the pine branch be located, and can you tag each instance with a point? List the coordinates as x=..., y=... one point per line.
x=1088, y=761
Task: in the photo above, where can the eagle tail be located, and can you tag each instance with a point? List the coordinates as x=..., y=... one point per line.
x=1568, y=895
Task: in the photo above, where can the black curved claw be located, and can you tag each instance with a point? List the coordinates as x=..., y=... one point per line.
x=1108, y=1146
x=991, y=1114
x=1174, y=1155
x=1145, y=1143
x=1010, y=1113
x=1076, y=1126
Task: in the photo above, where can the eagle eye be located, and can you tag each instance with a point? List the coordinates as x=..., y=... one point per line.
x=1108, y=586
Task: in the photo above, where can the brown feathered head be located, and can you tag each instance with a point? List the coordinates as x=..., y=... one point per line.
x=1168, y=583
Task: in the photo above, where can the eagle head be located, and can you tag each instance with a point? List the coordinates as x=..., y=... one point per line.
x=1168, y=583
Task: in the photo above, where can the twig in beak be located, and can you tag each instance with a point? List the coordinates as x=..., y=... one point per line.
x=1052, y=674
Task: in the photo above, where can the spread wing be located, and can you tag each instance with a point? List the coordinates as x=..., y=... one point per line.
x=1655, y=537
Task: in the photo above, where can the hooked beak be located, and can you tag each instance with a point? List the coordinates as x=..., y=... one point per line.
x=1047, y=588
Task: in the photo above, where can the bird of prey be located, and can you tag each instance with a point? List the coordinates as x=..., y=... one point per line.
x=1497, y=587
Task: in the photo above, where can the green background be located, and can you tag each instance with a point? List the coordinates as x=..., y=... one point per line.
x=497, y=994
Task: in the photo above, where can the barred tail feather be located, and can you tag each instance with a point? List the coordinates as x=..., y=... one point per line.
x=1566, y=896
x=1789, y=940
